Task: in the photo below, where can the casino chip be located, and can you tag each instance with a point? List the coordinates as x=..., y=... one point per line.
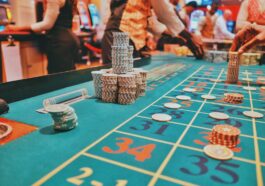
x=218, y=115
x=225, y=135
x=247, y=79
x=249, y=88
x=189, y=90
x=5, y=130
x=233, y=98
x=207, y=96
x=253, y=114
x=57, y=108
x=172, y=105
x=64, y=116
x=247, y=73
x=216, y=80
x=218, y=152
x=161, y=117
x=183, y=98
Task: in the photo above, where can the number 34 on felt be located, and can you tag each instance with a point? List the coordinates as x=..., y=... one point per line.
x=141, y=153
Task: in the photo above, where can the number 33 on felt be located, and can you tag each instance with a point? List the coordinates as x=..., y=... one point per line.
x=141, y=153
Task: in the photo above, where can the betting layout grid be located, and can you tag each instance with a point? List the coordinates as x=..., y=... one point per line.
x=171, y=152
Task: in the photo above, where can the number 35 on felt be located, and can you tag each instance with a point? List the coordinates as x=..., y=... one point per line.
x=140, y=153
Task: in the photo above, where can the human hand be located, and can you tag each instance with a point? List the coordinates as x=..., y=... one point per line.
x=193, y=43
x=247, y=38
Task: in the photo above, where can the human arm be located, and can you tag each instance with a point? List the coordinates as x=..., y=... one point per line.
x=166, y=14
x=248, y=37
x=50, y=17
x=154, y=26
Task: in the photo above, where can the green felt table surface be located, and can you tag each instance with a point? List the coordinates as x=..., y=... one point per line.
x=26, y=160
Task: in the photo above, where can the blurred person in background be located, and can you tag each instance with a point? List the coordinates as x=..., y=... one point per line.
x=186, y=11
x=207, y=23
x=131, y=16
x=251, y=11
x=62, y=45
x=220, y=28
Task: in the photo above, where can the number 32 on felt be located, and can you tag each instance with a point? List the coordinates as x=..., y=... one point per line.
x=141, y=153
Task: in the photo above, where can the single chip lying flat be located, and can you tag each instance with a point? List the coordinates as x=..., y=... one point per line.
x=161, y=117
x=249, y=88
x=216, y=80
x=253, y=114
x=189, y=90
x=172, y=105
x=218, y=152
x=207, y=96
x=247, y=73
x=247, y=79
x=218, y=115
x=184, y=98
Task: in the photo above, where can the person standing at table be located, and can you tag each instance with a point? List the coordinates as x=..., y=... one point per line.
x=62, y=45
x=251, y=11
x=131, y=16
x=220, y=28
x=207, y=23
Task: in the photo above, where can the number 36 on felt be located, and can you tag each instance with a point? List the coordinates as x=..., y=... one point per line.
x=141, y=153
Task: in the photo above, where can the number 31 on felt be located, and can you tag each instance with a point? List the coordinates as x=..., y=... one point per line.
x=141, y=153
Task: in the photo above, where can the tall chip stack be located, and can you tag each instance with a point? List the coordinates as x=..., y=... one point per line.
x=130, y=58
x=143, y=84
x=127, y=89
x=122, y=83
x=119, y=53
x=97, y=80
x=233, y=68
x=109, y=87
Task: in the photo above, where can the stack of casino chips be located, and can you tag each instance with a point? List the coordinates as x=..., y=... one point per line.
x=143, y=84
x=97, y=82
x=130, y=58
x=64, y=116
x=119, y=56
x=141, y=79
x=226, y=135
x=127, y=89
x=121, y=53
x=120, y=39
x=215, y=56
x=109, y=88
x=233, y=68
x=233, y=98
x=247, y=59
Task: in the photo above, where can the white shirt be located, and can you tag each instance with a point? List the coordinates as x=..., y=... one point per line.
x=164, y=18
x=50, y=17
x=220, y=29
x=242, y=17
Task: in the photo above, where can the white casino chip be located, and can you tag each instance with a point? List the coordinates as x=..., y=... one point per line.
x=161, y=117
x=218, y=115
